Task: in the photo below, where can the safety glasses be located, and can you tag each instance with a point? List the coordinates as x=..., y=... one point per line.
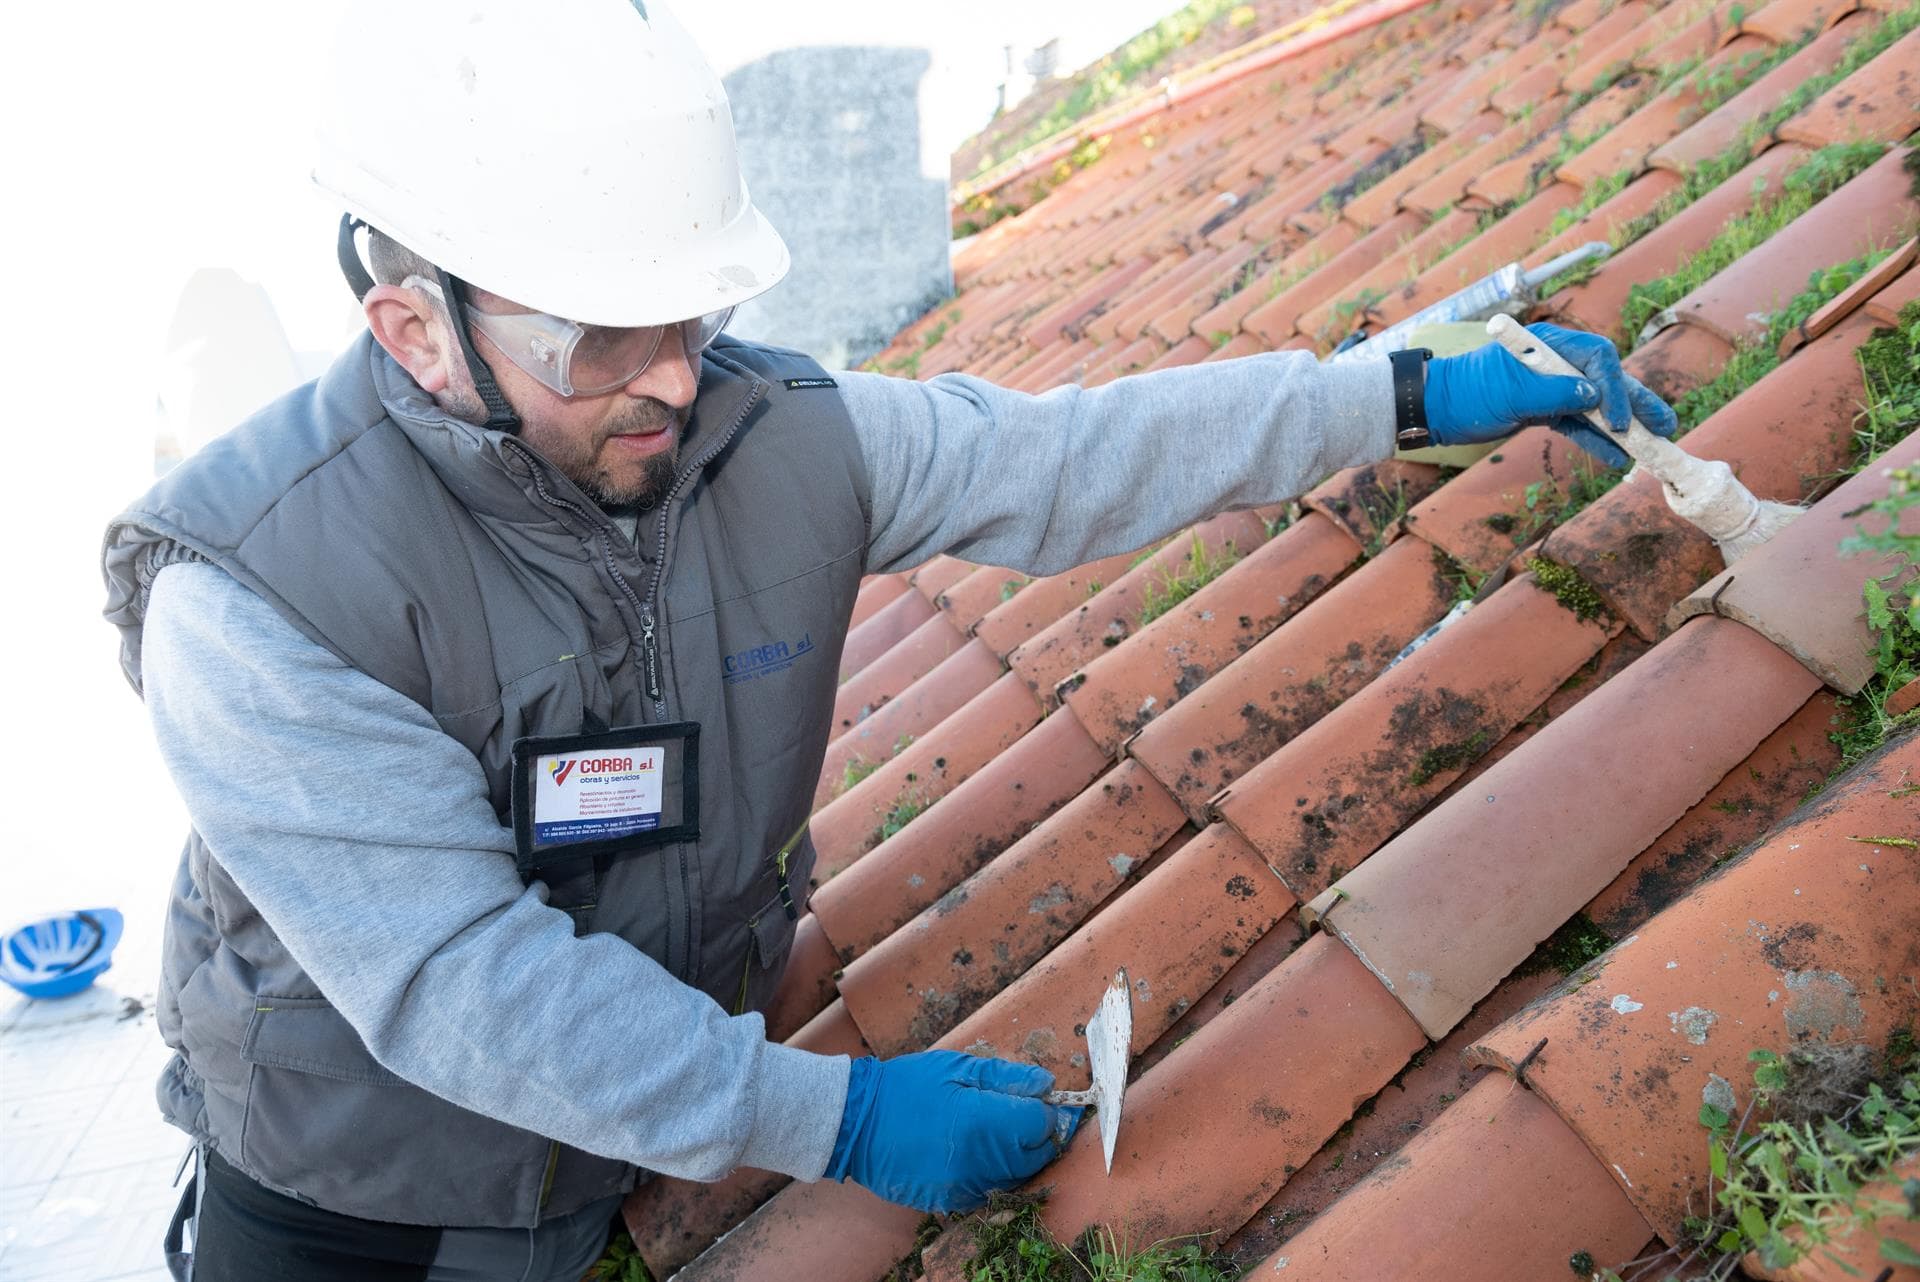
x=580, y=360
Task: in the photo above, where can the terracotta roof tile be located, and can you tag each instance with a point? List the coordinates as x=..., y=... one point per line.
x=1122, y=689
x=1231, y=312
x=884, y=629
x=1498, y=1187
x=926, y=770
x=1783, y=21
x=1176, y=933
x=1597, y=304
x=1110, y=617
x=1880, y=102
x=1720, y=128
x=1381, y=1129
x=1792, y=426
x=1189, y=241
x=1417, y=911
x=985, y=815
x=1876, y=210
x=1849, y=300
x=1885, y=306
x=1328, y=798
x=882, y=732
x=1276, y=319
x=1786, y=943
x=1803, y=593
x=1756, y=794
x=876, y=591
x=1323, y=1033
x=1378, y=203
x=919, y=653
x=915, y=985
x=1448, y=185
x=1285, y=683
x=1188, y=351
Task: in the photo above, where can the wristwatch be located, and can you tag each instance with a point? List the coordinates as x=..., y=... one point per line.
x=1410, y=398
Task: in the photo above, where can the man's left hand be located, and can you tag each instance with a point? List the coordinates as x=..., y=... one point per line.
x=1486, y=394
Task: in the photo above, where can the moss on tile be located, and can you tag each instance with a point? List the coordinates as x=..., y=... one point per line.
x=1445, y=758
x=1567, y=949
x=1568, y=587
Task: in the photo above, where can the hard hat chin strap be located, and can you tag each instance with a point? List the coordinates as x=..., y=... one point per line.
x=500, y=415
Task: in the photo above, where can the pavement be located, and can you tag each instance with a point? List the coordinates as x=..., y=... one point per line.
x=86, y=1164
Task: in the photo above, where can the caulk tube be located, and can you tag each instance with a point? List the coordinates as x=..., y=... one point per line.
x=1505, y=290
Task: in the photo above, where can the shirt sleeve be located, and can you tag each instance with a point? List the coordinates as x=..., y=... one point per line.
x=363, y=835
x=1043, y=483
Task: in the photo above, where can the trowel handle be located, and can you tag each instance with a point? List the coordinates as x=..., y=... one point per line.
x=1081, y=1099
x=1659, y=454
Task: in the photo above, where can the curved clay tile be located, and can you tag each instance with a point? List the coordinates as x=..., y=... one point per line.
x=909, y=659
x=1809, y=937
x=891, y=624
x=887, y=730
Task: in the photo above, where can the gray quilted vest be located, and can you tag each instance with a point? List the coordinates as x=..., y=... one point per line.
x=359, y=511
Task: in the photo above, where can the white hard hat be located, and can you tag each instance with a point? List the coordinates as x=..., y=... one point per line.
x=574, y=156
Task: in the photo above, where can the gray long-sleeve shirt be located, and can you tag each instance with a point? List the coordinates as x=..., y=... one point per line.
x=386, y=874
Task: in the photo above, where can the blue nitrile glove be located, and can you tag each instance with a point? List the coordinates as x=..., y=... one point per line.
x=1486, y=394
x=939, y=1130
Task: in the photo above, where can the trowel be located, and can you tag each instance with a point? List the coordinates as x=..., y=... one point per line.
x=1109, y=1041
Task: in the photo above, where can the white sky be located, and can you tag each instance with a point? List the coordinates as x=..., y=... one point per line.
x=145, y=141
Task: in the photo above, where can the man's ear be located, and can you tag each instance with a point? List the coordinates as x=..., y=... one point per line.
x=409, y=326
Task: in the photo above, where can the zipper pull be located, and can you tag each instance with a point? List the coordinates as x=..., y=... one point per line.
x=786, y=891
x=650, y=652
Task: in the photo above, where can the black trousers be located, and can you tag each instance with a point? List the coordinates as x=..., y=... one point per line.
x=245, y=1232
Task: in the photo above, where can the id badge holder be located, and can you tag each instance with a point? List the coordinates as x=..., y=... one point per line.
x=579, y=800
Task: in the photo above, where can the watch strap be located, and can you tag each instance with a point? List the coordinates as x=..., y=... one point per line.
x=1410, y=397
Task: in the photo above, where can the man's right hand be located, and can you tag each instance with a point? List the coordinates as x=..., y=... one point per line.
x=939, y=1130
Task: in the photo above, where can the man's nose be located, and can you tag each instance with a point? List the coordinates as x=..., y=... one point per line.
x=671, y=376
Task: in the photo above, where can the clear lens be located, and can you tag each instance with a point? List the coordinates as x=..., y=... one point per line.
x=582, y=360
x=608, y=358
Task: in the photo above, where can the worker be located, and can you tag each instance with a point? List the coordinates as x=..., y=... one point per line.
x=498, y=843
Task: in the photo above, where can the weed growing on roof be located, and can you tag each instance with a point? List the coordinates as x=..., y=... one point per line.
x=1109, y=78
x=909, y=364
x=858, y=768
x=1202, y=566
x=1011, y=587
x=1821, y=174
x=1567, y=949
x=1890, y=369
x=1890, y=366
x=1541, y=513
x=621, y=1261
x=1220, y=338
x=1751, y=362
x=1011, y=1245
x=1758, y=131
x=1466, y=583
x=1568, y=587
x=1347, y=309
x=1797, y=1180
x=909, y=806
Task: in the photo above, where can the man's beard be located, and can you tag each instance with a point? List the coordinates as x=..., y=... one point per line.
x=581, y=462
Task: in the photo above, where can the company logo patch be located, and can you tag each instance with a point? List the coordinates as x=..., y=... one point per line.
x=801, y=384
x=764, y=660
x=560, y=769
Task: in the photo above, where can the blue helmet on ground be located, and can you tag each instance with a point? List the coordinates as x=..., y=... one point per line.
x=60, y=955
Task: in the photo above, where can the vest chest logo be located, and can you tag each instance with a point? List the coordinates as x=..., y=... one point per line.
x=764, y=660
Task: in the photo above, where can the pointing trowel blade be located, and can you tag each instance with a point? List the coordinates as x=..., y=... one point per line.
x=1109, y=1042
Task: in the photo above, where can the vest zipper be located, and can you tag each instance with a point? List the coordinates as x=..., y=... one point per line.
x=658, y=574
